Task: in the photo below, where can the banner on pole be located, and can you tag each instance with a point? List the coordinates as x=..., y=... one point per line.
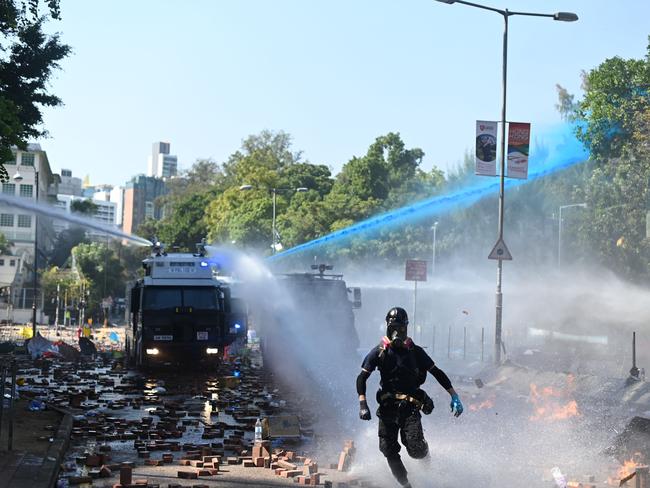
x=518, y=150
x=486, y=148
x=416, y=270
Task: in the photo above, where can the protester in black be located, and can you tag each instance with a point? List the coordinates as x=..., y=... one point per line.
x=403, y=367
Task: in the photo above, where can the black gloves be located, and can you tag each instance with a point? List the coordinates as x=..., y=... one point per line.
x=427, y=405
x=364, y=411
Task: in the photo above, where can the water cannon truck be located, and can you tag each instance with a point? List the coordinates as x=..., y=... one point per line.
x=180, y=312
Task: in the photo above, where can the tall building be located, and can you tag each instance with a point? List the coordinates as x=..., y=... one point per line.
x=69, y=185
x=108, y=201
x=161, y=163
x=106, y=215
x=140, y=197
x=21, y=227
x=117, y=196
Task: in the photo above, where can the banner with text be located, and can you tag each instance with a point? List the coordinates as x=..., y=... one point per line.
x=518, y=150
x=416, y=270
x=486, y=148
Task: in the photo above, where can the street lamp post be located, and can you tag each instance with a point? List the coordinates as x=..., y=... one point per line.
x=18, y=178
x=274, y=192
x=559, y=231
x=433, y=255
x=561, y=16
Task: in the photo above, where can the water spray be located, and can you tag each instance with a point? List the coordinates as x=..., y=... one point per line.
x=53, y=212
x=566, y=153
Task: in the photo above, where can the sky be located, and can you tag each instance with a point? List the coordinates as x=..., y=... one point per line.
x=335, y=74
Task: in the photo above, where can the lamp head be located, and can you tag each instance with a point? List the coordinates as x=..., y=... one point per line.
x=18, y=177
x=246, y=187
x=563, y=16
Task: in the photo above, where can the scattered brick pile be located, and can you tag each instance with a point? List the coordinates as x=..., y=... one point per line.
x=158, y=434
x=345, y=458
x=286, y=464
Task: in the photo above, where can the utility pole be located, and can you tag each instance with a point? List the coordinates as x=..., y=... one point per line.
x=505, y=14
x=58, y=303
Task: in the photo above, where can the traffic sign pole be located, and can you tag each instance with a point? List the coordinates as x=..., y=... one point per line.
x=415, y=306
x=415, y=270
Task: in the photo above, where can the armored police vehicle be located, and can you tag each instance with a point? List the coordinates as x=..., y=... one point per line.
x=321, y=309
x=180, y=312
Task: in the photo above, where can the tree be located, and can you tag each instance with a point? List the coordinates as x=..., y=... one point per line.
x=184, y=206
x=73, y=235
x=84, y=207
x=264, y=161
x=69, y=286
x=265, y=153
x=65, y=242
x=27, y=60
x=99, y=264
x=387, y=177
x=5, y=245
x=614, y=123
x=148, y=229
x=186, y=225
x=616, y=92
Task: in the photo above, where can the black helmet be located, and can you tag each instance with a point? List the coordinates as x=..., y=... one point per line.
x=396, y=323
x=397, y=316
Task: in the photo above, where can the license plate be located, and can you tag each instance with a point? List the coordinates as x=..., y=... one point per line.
x=163, y=338
x=201, y=336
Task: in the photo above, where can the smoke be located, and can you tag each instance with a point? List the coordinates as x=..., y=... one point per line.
x=55, y=213
x=565, y=330
x=308, y=338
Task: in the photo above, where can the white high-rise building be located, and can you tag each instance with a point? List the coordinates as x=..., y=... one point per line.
x=161, y=163
x=20, y=226
x=106, y=214
x=117, y=196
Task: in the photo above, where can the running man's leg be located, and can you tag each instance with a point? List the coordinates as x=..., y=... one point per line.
x=412, y=436
x=389, y=447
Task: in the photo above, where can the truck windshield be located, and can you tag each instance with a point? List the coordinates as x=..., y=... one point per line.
x=169, y=297
x=200, y=298
x=162, y=298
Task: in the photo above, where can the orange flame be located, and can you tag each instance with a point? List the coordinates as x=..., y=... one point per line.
x=629, y=466
x=552, y=403
x=475, y=407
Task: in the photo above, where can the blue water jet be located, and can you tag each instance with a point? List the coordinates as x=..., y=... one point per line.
x=557, y=149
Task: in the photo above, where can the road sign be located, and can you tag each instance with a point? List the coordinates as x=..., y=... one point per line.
x=416, y=270
x=500, y=251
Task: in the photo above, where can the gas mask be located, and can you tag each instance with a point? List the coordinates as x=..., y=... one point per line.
x=396, y=333
x=396, y=326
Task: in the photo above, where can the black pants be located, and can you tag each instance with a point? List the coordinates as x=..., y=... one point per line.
x=404, y=420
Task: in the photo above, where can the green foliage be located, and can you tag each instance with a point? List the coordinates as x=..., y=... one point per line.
x=65, y=242
x=5, y=245
x=265, y=161
x=616, y=92
x=27, y=60
x=614, y=123
x=184, y=205
x=186, y=226
x=69, y=287
x=102, y=269
x=85, y=207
